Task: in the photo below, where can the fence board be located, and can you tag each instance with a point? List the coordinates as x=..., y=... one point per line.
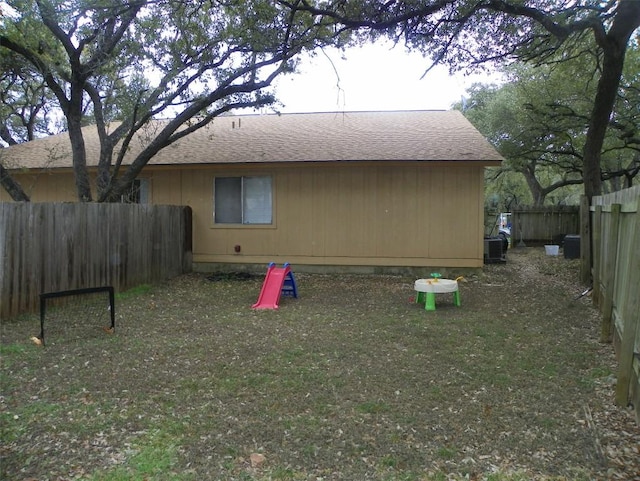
x=586, y=233
x=60, y=246
x=608, y=272
x=626, y=196
x=617, y=245
x=597, y=264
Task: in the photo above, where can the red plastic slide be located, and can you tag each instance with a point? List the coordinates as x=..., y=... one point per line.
x=272, y=287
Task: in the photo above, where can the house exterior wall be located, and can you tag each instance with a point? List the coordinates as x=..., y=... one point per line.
x=413, y=214
x=45, y=186
x=357, y=214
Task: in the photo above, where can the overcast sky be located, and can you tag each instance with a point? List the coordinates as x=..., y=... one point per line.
x=373, y=77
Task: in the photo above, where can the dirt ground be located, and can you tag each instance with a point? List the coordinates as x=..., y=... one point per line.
x=352, y=380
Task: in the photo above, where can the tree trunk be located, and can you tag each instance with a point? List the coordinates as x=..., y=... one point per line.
x=614, y=46
x=79, y=156
x=537, y=192
x=78, y=148
x=14, y=189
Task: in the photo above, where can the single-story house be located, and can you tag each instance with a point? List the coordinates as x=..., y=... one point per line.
x=357, y=190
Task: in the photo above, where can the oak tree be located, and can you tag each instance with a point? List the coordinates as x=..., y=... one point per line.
x=538, y=120
x=133, y=61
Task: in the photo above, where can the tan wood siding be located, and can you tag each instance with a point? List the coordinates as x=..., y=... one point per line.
x=45, y=187
x=357, y=214
x=453, y=195
x=299, y=204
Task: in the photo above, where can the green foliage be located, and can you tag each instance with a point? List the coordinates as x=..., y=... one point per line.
x=135, y=291
x=539, y=120
x=26, y=109
x=505, y=189
x=133, y=62
x=153, y=459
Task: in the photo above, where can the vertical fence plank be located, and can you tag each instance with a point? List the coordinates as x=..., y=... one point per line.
x=4, y=239
x=585, y=244
x=598, y=256
x=608, y=273
x=626, y=290
x=185, y=226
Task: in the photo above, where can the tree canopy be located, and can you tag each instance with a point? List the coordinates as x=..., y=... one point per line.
x=467, y=34
x=133, y=61
x=539, y=118
x=26, y=111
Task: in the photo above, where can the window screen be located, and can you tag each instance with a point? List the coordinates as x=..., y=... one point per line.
x=242, y=200
x=138, y=193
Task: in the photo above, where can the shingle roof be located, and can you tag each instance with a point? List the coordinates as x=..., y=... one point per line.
x=308, y=137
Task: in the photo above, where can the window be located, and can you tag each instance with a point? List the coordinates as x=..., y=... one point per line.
x=138, y=193
x=242, y=200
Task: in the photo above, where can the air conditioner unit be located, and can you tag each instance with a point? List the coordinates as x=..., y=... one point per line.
x=494, y=250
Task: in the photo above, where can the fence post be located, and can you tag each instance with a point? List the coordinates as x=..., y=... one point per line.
x=609, y=274
x=630, y=321
x=187, y=255
x=585, y=241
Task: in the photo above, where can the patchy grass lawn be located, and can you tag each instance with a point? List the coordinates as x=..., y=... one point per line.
x=351, y=381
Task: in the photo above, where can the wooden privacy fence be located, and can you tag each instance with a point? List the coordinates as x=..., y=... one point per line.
x=616, y=284
x=543, y=225
x=59, y=246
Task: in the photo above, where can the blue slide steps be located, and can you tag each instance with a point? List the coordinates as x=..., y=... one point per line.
x=289, y=286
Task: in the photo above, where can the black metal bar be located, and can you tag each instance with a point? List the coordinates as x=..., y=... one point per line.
x=88, y=290
x=112, y=308
x=42, y=309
